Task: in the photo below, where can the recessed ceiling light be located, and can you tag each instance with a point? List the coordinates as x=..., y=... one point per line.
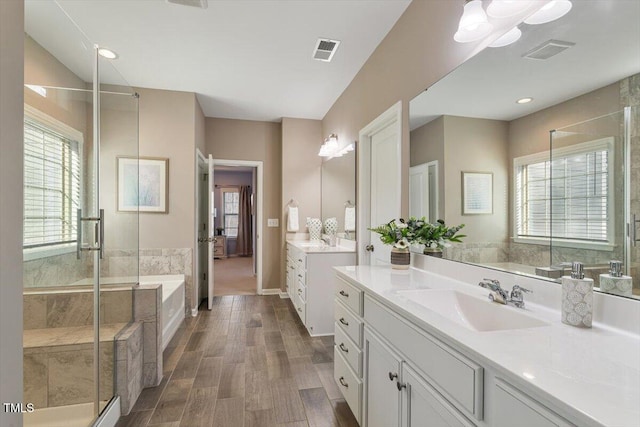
x=107, y=53
x=524, y=100
x=509, y=37
x=551, y=11
x=528, y=376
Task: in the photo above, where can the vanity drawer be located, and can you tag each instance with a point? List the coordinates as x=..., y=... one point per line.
x=349, y=295
x=349, y=350
x=301, y=275
x=458, y=378
x=349, y=323
x=348, y=383
x=301, y=260
x=301, y=308
x=302, y=291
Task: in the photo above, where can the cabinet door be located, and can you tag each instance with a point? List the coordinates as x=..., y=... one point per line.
x=512, y=407
x=381, y=395
x=423, y=406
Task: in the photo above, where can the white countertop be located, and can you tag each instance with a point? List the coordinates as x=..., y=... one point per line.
x=592, y=374
x=309, y=247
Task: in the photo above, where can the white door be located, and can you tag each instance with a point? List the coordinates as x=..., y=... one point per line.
x=202, y=213
x=385, y=186
x=419, y=191
x=211, y=236
x=381, y=377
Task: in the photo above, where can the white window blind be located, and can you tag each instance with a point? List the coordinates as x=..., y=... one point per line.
x=566, y=197
x=51, y=186
x=231, y=209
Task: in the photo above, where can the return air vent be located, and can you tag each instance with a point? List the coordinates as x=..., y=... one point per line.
x=201, y=4
x=548, y=49
x=325, y=49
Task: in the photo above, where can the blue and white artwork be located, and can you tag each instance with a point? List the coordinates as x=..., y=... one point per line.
x=142, y=184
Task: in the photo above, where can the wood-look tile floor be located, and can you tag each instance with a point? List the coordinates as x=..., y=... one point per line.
x=247, y=363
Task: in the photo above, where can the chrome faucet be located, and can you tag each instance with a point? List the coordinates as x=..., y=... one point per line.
x=500, y=295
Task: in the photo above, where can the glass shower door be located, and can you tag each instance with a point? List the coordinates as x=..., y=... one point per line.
x=633, y=193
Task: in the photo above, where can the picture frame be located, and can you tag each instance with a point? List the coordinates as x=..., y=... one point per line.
x=143, y=184
x=477, y=193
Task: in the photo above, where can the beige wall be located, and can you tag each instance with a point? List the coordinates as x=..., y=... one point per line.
x=257, y=141
x=476, y=145
x=418, y=51
x=11, y=130
x=427, y=145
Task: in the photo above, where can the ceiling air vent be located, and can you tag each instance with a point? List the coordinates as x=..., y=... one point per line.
x=201, y=4
x=325, y=49
x=548, y=49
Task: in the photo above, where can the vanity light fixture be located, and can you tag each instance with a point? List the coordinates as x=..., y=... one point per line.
x=551, y=11
x=329, y=147
x=107, y=53
x=524, y=100
x=38, y=89
x=474, y=24
x=505, y=8
x=507, y=38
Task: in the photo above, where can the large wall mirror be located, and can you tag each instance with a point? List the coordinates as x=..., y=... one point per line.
x=339, y=193
x=542, y=183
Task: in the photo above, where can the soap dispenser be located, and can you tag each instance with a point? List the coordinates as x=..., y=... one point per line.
x=577, y=298
x=615, y=282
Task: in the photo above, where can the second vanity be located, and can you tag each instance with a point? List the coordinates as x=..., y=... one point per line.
x=416, y=348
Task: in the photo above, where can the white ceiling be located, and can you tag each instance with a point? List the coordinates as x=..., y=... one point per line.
x=606, y=34
x=244, y=59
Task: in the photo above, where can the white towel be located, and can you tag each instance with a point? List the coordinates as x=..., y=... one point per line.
x=350, y=219
x=292, y=219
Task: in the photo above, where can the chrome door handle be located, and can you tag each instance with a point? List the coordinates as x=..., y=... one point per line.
x=400, y=386
x=344, y=322
x=369, y=248
x=392, y=376
x=343, y=348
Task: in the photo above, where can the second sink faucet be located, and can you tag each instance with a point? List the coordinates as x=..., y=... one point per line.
x=500, y=295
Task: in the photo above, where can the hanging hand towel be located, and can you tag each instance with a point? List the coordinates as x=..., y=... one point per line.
x=350, y=219
x=292, y=219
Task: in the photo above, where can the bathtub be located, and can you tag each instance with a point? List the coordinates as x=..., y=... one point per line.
x=173, y=310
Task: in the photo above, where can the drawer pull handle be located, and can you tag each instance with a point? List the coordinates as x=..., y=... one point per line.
x=299, y=309
x=299, y=291
x=343, y=382
x=344, y=322
x=299, y=260
x=392, y=376
x=344, y=294
x=343, y=348
x=300, y=275
x=401, y=386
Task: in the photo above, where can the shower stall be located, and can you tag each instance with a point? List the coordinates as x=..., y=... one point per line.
x=80, y=245
x=595, y=192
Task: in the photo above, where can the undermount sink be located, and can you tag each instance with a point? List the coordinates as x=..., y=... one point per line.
x=471, y=312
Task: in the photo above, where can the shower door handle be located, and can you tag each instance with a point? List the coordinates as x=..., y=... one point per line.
x=98, y=237
x=633, y=231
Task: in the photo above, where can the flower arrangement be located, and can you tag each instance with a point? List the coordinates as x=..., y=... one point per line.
x=401, y=233
x=438, y=235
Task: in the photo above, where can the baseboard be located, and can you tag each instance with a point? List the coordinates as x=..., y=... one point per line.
x=284, y=295
x=270, y=291
x=110, y=415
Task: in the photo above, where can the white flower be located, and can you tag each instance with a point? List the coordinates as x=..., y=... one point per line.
x=400, y=225
x=433, y=245
x=402, y=244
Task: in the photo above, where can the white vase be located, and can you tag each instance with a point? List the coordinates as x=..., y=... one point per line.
x=315, y=228
x=331, y=226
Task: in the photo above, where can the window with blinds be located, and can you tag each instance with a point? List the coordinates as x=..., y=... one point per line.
x=51, y=186
x=231, y=204
x=566, y=197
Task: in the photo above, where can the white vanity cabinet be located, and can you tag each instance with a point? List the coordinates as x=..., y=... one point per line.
x=310, y=285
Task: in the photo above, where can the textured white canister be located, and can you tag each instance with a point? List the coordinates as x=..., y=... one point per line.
x=577, y=298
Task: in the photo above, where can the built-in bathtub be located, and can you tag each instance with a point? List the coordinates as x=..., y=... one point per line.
x=173, y=297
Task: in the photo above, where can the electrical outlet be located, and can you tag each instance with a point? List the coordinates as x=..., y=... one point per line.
x=272, y=222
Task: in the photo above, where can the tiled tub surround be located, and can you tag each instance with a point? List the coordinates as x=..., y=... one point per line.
x=589, y=376
x=165, y=261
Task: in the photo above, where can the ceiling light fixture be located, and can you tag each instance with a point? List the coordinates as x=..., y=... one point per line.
x=107, y=53
x=507, y=38
x=505, y=8
x=474, y=24
x=551, y=11
x=524, y=100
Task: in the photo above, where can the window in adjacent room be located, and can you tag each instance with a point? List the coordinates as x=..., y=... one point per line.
x=231, y=209
x=52, y=185
x=568, y=197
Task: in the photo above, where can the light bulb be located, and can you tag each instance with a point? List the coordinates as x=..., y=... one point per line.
x=474, y=24
x=551, y=11
x=506, y=8
x=107, y=53
x=509, y=37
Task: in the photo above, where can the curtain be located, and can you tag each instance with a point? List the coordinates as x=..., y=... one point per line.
x=244, y=245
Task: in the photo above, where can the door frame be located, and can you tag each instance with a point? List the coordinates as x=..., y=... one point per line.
x=258, y=165
x=424, y=167
x=199, y=158
x=392, y=116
